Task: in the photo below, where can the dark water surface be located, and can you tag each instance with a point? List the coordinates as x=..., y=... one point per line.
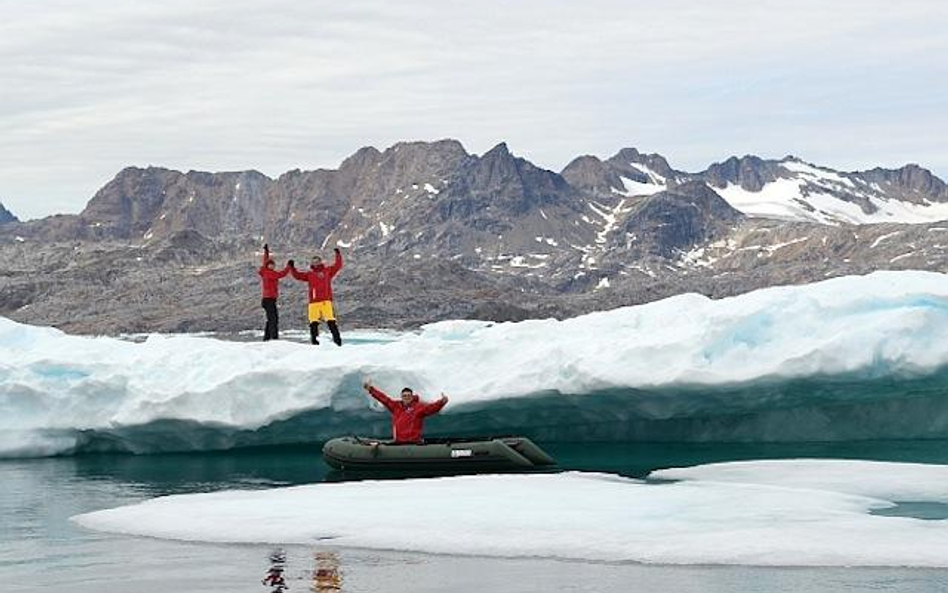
x=40, y=550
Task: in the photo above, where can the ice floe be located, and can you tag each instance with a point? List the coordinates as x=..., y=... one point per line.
x=785, y=513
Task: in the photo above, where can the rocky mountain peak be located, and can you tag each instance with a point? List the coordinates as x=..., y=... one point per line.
x=589, y=173
x=423, y=159
x=388, y=184
x=670, y=222
x=504, y=167
x=910, y=183
x=749, y=172
x=500, y=151
x=652, y=161
x=139, y=204
x=705, y=198
x=126, y=205
x=497, y=166
x=365, y=156
x=6, y=216
x=584, y=162
x=495, y=189
x=445, y=146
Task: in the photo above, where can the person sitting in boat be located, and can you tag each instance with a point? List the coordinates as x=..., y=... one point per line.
x=408, y=413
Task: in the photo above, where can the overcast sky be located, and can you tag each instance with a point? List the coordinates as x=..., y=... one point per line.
x=88, y=87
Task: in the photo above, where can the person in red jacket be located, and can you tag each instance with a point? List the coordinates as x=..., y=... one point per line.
x=270, y=292
x=408, y=414
x=319, y=277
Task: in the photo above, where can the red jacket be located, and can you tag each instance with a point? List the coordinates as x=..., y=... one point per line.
x=319, y=279
x=270, y=279
x=408, y=422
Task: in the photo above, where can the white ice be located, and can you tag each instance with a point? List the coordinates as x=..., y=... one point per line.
x=889, y=481
x=786, y=513
x=885, y=324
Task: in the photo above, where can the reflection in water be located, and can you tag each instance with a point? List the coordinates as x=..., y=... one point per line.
x=275, y=579
x=326, y=575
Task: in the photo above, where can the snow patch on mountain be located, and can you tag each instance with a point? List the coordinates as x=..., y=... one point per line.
x=632, y=187
x=812, y=194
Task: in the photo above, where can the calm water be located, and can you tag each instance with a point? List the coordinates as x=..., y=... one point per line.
x=40, y=550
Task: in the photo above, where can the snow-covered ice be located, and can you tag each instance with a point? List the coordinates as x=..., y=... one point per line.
x=663, y=357
x=886, y=480
x=776, y=513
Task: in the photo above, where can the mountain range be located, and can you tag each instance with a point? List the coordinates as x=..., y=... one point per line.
x=431, y=231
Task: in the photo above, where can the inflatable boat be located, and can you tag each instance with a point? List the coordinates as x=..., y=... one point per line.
x=442, y=454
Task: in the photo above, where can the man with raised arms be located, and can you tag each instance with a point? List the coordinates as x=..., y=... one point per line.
x=319, y=278
x=408, y=413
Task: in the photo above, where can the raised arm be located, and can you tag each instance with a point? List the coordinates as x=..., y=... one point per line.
x=380, y=397
x=301, y=276
x=337, y=263
x=266, y=255
x=434, y=407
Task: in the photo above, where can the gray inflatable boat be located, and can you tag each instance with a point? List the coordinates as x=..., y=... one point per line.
x=440, y=454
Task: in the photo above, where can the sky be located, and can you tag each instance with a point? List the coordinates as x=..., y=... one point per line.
x=90, y=87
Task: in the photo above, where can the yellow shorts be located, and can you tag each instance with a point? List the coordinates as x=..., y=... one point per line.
x=321, y=310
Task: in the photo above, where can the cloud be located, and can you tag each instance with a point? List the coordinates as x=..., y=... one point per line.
x=89, y=87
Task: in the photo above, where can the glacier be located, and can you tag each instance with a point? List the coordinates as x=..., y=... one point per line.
x=809, y=512
x=858, y=357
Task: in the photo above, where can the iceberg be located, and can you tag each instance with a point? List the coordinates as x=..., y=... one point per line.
x=774, y=513
x=848, y=358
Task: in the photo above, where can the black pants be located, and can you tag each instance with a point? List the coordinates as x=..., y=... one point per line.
x=272, y=330
x=333, y=329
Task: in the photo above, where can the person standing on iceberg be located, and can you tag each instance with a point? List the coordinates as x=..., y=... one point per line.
x=270, y=292
x=408, y=414
x=319, y=277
